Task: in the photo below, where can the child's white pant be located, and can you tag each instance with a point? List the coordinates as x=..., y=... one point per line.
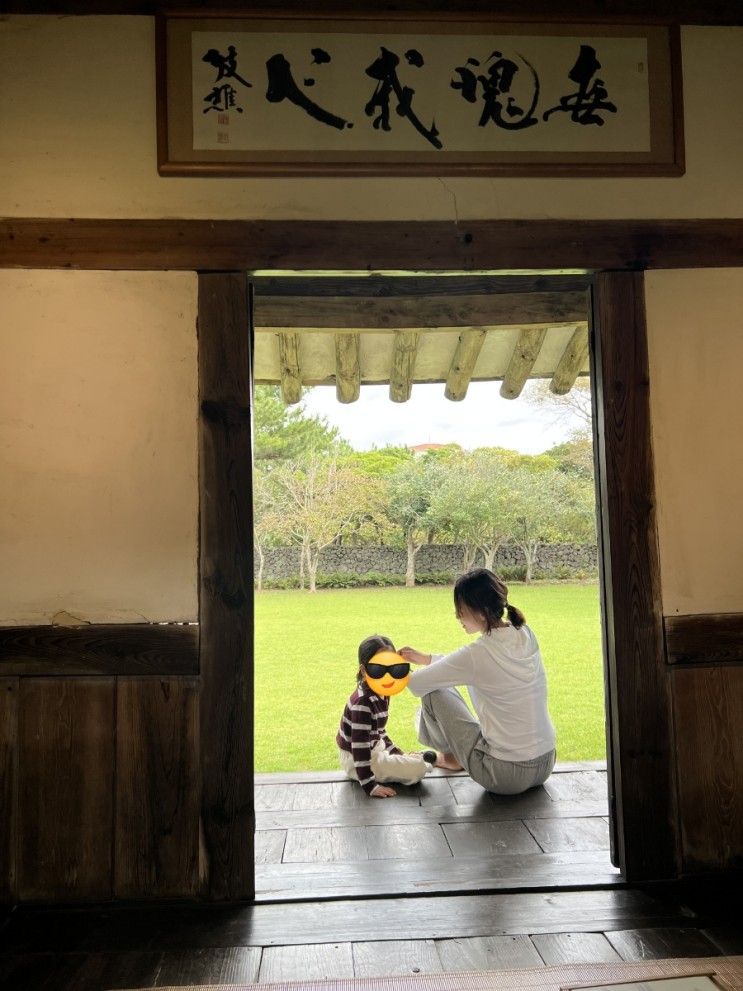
x=387, y=768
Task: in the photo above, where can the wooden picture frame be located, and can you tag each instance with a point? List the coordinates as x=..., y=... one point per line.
x=404, y=94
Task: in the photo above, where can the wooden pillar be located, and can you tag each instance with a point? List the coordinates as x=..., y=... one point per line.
x=226, y=587
x=640, y=724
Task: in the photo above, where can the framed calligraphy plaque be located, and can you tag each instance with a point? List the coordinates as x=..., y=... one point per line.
x=416, y=95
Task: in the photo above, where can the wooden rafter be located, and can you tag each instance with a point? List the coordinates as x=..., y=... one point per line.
x=291, y=372
x=418, y=311
x=403, y=365
x=347, y=367
x=463, y=363
x=522, y=361
x=573, y=361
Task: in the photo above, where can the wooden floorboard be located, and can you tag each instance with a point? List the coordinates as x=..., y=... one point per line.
x=414, y=837
x=660, y=944
x=286, y=924
x=487, y=953
x=380, y=813
x=557, y=948
x=586, y=869
x=304, y=777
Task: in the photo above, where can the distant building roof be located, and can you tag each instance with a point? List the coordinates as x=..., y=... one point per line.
x=422, y=448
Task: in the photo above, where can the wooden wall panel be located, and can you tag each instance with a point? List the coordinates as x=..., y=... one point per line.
x=708, y=705
x=640, y=711
x=100, y=648
x=8, y=786
x=713, y=638
x=65, y=795
x=157, y=788
x=226, y=587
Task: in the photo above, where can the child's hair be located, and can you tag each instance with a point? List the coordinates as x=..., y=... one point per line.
x=368, y=648
x=483, y=592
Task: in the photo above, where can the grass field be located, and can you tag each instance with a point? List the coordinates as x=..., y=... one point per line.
x=306, y=664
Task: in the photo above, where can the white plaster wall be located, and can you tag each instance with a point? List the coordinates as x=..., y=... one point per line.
x=98, y=446
x=695, y=347
x=77, y=121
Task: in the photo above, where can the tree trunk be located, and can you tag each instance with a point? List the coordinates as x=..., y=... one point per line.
x=530, y=549
x=468, y=556
x=312, y=562
x=488, y=552
x=410, y=568
x=261, y=561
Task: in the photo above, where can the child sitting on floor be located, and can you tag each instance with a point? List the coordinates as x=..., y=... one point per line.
x=367, y=754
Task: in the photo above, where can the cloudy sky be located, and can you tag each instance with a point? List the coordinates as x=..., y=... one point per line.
x=482, y=419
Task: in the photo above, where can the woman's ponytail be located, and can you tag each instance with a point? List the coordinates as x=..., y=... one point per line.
x=515, y=616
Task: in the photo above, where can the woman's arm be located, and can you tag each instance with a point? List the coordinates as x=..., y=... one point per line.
x=414, y=656
x=445, y=672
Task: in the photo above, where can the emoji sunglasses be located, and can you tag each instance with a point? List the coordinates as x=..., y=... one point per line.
x=380, y=670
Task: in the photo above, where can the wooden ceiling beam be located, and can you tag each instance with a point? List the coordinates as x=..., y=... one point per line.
x=347, y=367
x=574, y=360
x=404, y=353
x=463, y=363
x=675, y=11
x=522, y=361
x=290, y=369
x=384, y=286
x=417, y=311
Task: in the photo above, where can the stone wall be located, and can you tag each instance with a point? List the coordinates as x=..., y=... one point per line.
x=283, y=562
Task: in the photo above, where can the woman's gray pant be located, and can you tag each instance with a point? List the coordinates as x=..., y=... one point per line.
x=446, y=724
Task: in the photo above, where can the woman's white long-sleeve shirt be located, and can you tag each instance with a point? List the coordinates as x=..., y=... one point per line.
x=504, y=675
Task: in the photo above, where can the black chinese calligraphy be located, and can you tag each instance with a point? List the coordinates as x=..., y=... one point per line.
x=282, y=86
x=226, y=65
x=223, y=98
x=499, y=103
x=384, y=70
x=584, y=105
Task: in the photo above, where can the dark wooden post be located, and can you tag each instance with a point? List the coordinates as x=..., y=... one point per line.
x=226, y=587
x=640, y=714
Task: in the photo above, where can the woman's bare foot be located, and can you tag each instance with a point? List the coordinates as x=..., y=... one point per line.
x=448, y=762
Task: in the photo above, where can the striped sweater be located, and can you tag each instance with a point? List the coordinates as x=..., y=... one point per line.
x=362, y=727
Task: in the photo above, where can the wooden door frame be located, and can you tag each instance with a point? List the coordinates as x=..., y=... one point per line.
x=638, y=704
x=640, y=726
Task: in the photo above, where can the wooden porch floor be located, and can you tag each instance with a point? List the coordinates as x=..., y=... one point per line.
x=319, y=836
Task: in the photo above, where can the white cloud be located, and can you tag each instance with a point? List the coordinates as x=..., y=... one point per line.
x=482, y=419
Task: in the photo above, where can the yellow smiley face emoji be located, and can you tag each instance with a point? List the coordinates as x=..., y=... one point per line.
x=387, y=673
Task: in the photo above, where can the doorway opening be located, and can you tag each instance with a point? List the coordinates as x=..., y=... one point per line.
x=362, y=522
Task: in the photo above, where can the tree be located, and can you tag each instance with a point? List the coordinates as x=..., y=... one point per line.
x=323, y=498
x=268, y=517
x=549, y=505
x=471, y=503
x=288, y=433
x=574, y=406
x=409, y=499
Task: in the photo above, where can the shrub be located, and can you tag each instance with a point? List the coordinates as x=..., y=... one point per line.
x=435, y=578
x=512, y=572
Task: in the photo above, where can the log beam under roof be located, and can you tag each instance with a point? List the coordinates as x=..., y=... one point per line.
x=291, y=372
x=347, y=367
x=574, y=359
x=404, y=354
x=463, y=363
x=351, y=313
x=522, y=361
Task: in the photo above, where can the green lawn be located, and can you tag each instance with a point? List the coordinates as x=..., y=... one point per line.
x=306, y=664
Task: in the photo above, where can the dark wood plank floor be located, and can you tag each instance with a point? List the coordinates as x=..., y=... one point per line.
x=118, y=947
x=432, y=843
x=319, y=836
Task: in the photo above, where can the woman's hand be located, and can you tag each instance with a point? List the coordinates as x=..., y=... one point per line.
x=382, y=791
x=414, y=656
